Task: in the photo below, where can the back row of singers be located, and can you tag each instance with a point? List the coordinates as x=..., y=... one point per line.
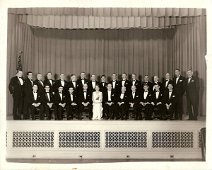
x=21, y=88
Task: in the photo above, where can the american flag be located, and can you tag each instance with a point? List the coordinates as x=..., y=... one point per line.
x=19, y=63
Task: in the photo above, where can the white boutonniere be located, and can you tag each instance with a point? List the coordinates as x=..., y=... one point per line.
x=181, y=80
x=173, y=96
x=112, y=94
x=150, y=95
x=136, y=96
x=192, y=80
x=63, y=96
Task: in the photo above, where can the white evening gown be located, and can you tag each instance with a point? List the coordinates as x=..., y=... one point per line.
x=97, y=105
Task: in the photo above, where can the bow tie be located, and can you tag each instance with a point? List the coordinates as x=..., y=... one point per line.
x=145, y=91
x=34, y=92
x=170, y=91
x=47, y=92
x=167, y=80
x=84, y=91
x=60, y=92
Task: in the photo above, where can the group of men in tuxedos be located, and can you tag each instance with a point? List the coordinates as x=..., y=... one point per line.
x=146, y=100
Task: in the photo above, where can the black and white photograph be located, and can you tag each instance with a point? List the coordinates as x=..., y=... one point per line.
x=104, y=85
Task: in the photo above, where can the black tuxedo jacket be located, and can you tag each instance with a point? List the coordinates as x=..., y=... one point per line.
x=47, y=82
x=125, y=99
x=30, y=98
x=69, y=101
x=71, y=84
x=28, y=87
x=172, y=99
x=90, y=87
x=57, y=98
x=117, y=87
x=80, y=85
x=159, y=99
x=103, y=86
x=164, y=83
x=57, y=84
x=136, y=98
x=158, y=83
x=15, y=87
x=45, y=98
x=150, y=84
x=148, y=98
x=137, y=84
x=127, y=84
x=105, y=96
x=82, y=99
x=40, y=86
x=192, y=88
x=180, y=86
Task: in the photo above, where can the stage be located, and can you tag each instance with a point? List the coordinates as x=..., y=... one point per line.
x=109, y=140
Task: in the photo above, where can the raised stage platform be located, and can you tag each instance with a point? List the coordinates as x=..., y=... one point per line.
x=157, y=140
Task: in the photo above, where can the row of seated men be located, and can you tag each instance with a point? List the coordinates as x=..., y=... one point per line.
x=115, y=106
x=163, y=100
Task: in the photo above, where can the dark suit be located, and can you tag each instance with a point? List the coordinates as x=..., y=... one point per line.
x=48, y=83
x=33, y=109
x=17, y=91
x=103, y=87
x=81, y=106
x=90, y=86
x=73, y=85
x=126, y=84
x=192, y=96
x=135, y=100
x=80, y=85
x=72, y=110
x=59, y=109
x=116, y=86
x=124, y=107
x=150, y=84
x=158, y=108
x=147, y=109
x=167, y=100
x=179, y=89
x=165, y=85
x=137, y=84
x=40, y=85
x=27, y=91
x=109, y=111
x=58, y=83
x=45, y=99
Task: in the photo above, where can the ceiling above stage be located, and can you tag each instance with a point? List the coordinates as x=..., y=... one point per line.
x=107, y=18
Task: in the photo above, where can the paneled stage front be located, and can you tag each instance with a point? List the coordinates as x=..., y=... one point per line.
x=162, y=140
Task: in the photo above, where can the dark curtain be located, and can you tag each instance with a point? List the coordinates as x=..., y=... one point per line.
x=140, y=51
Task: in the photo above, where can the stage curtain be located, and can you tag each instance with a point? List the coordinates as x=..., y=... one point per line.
x=142, y=51
x=107, y=18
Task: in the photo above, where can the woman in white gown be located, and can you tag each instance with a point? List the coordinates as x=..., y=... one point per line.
x=97, y=104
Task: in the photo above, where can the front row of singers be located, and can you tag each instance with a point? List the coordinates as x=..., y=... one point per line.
x=102, y=105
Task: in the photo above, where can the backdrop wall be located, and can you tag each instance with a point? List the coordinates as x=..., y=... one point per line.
x=104, y=51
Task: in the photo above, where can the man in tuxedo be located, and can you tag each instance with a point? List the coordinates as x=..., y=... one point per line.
x=192, y=95
x=157, y=102
x=73, y=83
x=48, y=102
x=49, y=81
x=146, y=82
x=72, y=104
x=167, y=81
x=35, y=100
x=92, y=84
x=60, y=103
x=124, y=82
x=145, y=103
x=169, y=100
x=103, y=84
x=39, y=82
x=109, y=102
x=28, y=84
x=115, y=84
x=134, y=100
x=16, y=88
x=85, y=101
x=123, y=104
x=156, y=82
x=136, y=83
x=81, y=81
x=61, y=83
x=179, y=86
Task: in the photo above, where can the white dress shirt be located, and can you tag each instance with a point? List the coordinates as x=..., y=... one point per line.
x=109, y=95
x=93, y=84
x=122, y=95
x=72, y=98
x=123, y=82
x=35, y=94
x=133, y=95
x=84, y=94
x=83, y=81
x=167, y=81
x=41, y=82
x=61, y=96
x=114, y=84
x=62, y=83
x=145, y=94
x=189, y=79
x=74, y=83
x=157, y=94
x=133, y=83
x=170, y=94
x=177, y=79
x=50, y=81
x=21, y=80
x=48, y=96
